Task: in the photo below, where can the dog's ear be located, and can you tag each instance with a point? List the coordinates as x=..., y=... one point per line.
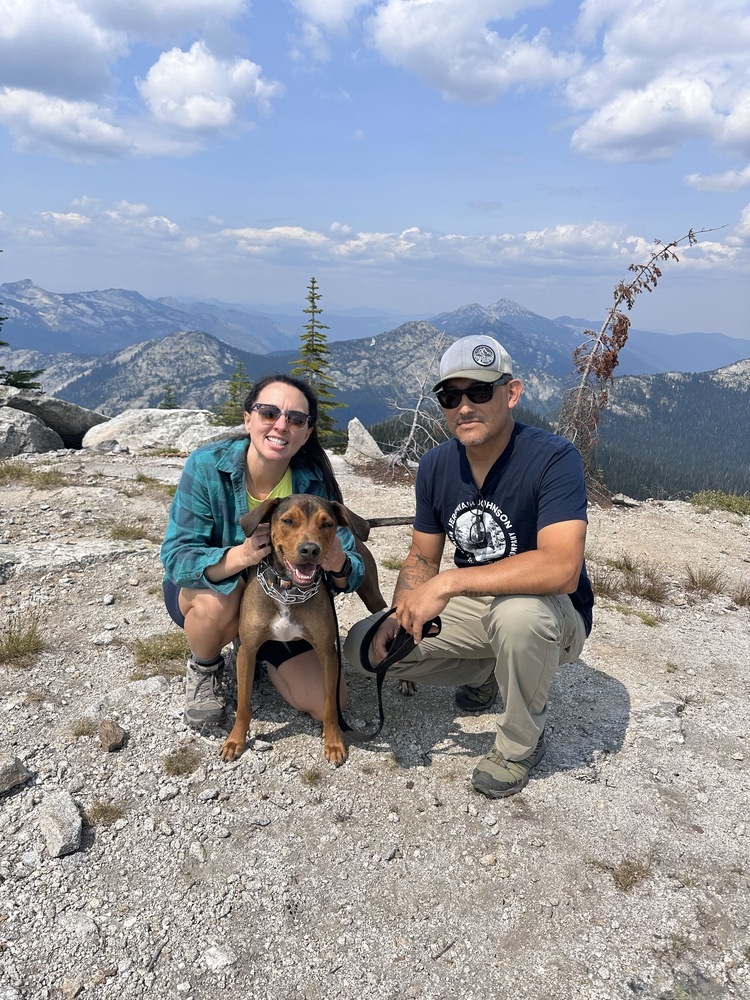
x=249, y=522
x=348, y=519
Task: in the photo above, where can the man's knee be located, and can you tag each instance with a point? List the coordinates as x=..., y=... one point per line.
x=515, y=621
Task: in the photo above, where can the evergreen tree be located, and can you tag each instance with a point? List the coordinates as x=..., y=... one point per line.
x=314, y=363
x=170, y=399
x=24, y=378
x=232, y=411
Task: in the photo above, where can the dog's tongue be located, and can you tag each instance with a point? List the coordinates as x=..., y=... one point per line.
x=303, y=573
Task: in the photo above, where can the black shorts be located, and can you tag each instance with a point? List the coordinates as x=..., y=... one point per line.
x=273, y=652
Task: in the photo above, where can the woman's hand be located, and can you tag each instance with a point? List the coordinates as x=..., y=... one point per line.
x=335, y=556
x=258, y=546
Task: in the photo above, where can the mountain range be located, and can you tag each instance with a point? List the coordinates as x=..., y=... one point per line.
x=100, y=322
x=663, y=426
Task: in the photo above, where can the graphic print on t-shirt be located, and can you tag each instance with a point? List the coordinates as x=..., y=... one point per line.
x=482, y=531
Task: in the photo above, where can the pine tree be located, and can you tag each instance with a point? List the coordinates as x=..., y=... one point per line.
x=24, y=378
x=314, y=363
x=170, y=399
x=232, y=411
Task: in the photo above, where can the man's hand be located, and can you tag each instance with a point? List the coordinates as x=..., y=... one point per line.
x=415, y=607
x=384, y=635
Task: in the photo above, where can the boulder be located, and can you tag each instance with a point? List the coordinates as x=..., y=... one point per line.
x=68, y=420
x=141, y=431
x=24, y=434
x=362, y=448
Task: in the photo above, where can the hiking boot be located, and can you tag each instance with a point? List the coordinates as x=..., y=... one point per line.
x=496, y=777
x=204, y=706
x=476, y=699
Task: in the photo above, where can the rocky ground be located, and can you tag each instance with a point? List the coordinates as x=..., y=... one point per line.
x=620, y=871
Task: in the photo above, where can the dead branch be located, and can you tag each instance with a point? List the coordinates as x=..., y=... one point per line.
x=597, y=357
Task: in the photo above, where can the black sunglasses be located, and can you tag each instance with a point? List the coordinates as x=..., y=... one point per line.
x=269, y=414
x=477, y=530
x=477, y=392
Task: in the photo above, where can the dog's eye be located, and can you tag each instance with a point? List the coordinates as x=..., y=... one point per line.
x=327, y=524
x=288, y=521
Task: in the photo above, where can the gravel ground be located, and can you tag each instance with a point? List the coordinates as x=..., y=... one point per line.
x=620, y=871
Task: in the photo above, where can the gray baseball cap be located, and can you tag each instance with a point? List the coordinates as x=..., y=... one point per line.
x=478, y=356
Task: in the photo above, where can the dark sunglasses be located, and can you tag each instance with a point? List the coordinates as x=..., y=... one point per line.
x=478, y=392
x=269, y=414
x=477, y=530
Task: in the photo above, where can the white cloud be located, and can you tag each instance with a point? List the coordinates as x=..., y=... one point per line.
x=333, y=15
x=71, y=219
x=198, y=92
x=149, y=20
x=593, y=246
x=669, y=71
x=730, y=180
x=452, y=46
x=649, y=124
x=59, y=50
x=76, y=128
x=59, y=91
x=740, y=236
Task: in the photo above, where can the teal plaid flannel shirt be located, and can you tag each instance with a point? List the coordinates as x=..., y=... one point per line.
x=204, y=519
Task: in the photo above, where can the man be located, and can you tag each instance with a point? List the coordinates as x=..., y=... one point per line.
x=517, y=603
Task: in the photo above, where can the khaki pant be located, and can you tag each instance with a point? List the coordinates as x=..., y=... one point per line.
x=524, y=639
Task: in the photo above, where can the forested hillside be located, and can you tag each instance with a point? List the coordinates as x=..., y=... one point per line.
x=673, y=434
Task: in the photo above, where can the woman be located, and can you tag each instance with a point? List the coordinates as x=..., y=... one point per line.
x=205, y=553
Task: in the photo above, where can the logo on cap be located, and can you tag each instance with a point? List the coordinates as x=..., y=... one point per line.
x=483, y=355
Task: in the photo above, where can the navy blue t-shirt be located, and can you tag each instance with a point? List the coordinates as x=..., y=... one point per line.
x=538, y=480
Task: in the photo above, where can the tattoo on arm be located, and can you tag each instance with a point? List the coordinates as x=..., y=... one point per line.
x=415, y=571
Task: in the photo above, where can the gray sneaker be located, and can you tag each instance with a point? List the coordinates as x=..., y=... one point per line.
x=496, y=777
x=204, y=705
x=477, y=699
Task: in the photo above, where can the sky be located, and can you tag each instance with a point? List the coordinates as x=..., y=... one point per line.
x=414, y=156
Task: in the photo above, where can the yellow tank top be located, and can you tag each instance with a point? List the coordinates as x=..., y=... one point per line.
x=283, y=488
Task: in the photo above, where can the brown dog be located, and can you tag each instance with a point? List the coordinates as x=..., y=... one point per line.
x=285, y=598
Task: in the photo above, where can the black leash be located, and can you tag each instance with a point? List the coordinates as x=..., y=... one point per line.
x=399, y=647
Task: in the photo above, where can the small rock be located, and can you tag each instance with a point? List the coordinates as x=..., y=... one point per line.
x=488, y=860
x=219, y=958
x=208, y=794
x=12, y=773
x=111, y=735
x=108, y=599
x=258, y=820
x=197, y=852
x=60, y=824
x=70, y=988
x=167, y=792
x=261, y=745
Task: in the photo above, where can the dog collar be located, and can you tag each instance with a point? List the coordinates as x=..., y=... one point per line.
x=273, y=586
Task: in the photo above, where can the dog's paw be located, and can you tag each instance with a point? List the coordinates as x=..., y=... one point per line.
x=407, y=688
x=335, y=751
x=232, y=747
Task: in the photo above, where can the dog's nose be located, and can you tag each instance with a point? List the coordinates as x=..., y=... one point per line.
x=308, y=552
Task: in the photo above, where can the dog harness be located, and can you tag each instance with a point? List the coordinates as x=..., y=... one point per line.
x=279, y=590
